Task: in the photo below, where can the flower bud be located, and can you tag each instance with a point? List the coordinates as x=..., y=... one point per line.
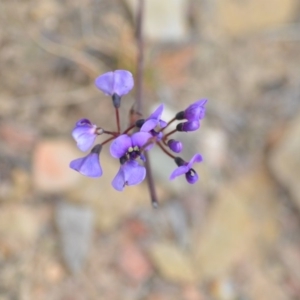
x=188, y=126
x=175, y=146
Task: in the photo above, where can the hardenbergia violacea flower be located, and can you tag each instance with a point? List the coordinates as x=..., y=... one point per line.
x=130, y=145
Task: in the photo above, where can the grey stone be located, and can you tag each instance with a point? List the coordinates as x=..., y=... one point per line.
x=75, y=224
x=164, y=20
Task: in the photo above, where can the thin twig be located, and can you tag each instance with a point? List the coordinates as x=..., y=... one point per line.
x=165, y=150
x=139, y=92
x=150, y=181
x=140, y=56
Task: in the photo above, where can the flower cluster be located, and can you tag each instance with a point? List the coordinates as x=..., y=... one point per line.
x=130, y=145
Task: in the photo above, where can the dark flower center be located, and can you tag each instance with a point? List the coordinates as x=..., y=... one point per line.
x=191, y=173
x=131, y=154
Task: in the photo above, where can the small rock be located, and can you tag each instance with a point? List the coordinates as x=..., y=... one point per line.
x=21, y=185
x=19, y=228
x=222, y=289
x=14, y=135
x=164, y=20
x=75, y=224
x=172, y=263
x=237, y=18
x=134, y=263
x=51, y=172
x=285, y=160
x=242, y=221
x=136, y=228
x=191, y=292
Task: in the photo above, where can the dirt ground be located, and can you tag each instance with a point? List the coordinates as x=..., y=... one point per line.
x=233, y=235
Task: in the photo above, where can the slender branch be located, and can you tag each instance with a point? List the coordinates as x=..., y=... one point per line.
x=139, y=92
x=165, y=150
x=140, y=56
x=169, y=123
x=151, y=183
x=115, y=134
x=108, y=140
x=128, y=129
x=169, y=133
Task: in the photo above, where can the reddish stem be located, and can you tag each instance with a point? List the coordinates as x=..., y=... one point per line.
x=168, y=134
x=140, y=56
x=169, y=123
x=129, y=128
x=165, y=150
x=115, y=134
x=108, y=140
x=118, y=120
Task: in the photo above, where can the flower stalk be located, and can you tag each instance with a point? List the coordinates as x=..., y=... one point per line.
x=131, y=146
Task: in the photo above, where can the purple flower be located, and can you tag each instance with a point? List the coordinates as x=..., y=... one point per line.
x=154, y=120
x=90, y=164
x=188, y=126
x=130, y=173
x=175, y=146
x=194, y=112
x=128, y=147
x=84, y=134
x=186, y=168
x=118, y=82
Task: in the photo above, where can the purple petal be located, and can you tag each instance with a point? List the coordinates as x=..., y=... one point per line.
x=179, y=171
x=158, y=136
x=119, y=182
x=82, y=122
x=149, y=125
x=133, y=173
x=196, y=158
x=88, y=165
x=85, y=136
x=175, y=146
x=188, y=126
x=162, y=123
x=140, y=139
x=105, y=83
x=195, y=111
x=201, y=102
x=191, y=177
x=157, y=113
x=123, y=82
x=120, y=146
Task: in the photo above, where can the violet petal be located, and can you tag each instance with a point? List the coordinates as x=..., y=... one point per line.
x=123, y=82
x=179, y=171
x=88, y=165
x=149, y=125
x=120, y=146
x=133, y=173
x=105, y=83
x=84, y=136
x=140, y=139
x=119, y=182
x=191, y=176
x=196, y=158
x=157, y=113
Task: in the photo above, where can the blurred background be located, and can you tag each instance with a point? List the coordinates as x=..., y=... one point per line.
x=232, y=236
